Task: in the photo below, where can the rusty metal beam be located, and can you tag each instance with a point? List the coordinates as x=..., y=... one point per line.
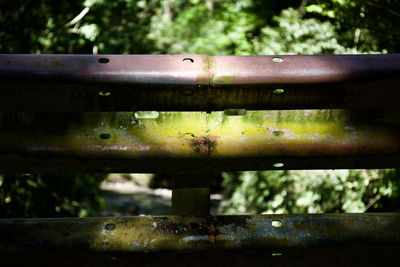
x=197, y=82
x=210, y=232
x=197, y=141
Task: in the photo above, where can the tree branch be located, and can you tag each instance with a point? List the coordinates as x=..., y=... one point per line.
x=301, y=8
x=383, y=7
x=78, y=17
x=372, y=202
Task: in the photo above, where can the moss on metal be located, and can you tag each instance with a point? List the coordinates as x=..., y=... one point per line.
x=203, y=134
x=198, y=135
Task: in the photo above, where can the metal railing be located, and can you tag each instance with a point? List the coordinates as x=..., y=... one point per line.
x=192, y=115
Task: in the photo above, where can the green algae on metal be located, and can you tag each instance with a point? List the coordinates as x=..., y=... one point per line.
x=198, y=135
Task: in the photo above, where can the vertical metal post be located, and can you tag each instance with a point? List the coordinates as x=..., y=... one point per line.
x=191, y=194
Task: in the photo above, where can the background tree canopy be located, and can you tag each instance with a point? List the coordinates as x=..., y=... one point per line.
x=212, y=27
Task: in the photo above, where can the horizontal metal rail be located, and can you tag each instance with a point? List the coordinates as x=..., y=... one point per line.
x=182, y=142
x=197, y=82
x=210, y=232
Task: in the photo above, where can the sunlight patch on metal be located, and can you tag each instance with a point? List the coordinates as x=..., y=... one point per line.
x=197, y=82
x=211, y=232
x=122, y=142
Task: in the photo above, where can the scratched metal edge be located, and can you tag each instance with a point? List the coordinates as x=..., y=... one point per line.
x=146, y=234
x=166, y=82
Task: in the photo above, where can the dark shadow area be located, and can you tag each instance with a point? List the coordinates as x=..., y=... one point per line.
x=343, y=255
x=50, y=195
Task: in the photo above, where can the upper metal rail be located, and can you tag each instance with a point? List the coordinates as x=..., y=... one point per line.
x=197, y=82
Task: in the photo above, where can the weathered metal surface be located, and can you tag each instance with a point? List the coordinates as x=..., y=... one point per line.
x=109, y=69
x=301, y=69
x=306, y=230
x=211, y=232
x=190, y=141
x=197, y=82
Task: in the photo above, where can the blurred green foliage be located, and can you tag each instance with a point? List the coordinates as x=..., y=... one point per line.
x=48, y=195
x=312, y=191
x=213, y=27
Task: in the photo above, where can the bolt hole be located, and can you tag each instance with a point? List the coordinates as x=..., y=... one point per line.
x=235, y=112
x=277, y=59
x=103, y=60
x=278, y=91
x=146, y=115
x=278, y=165
x=276, y=224
x=105, y=136
x=104, y=93
x=110, y=226
x=188, y=59
x=276, y=254
x=277, y=133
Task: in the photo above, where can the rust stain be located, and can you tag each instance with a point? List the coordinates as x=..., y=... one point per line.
x=204, y=145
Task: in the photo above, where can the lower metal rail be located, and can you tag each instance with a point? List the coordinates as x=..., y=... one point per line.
x=130, y=234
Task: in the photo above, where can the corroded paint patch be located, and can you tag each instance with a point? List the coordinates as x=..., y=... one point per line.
x=204, y=145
